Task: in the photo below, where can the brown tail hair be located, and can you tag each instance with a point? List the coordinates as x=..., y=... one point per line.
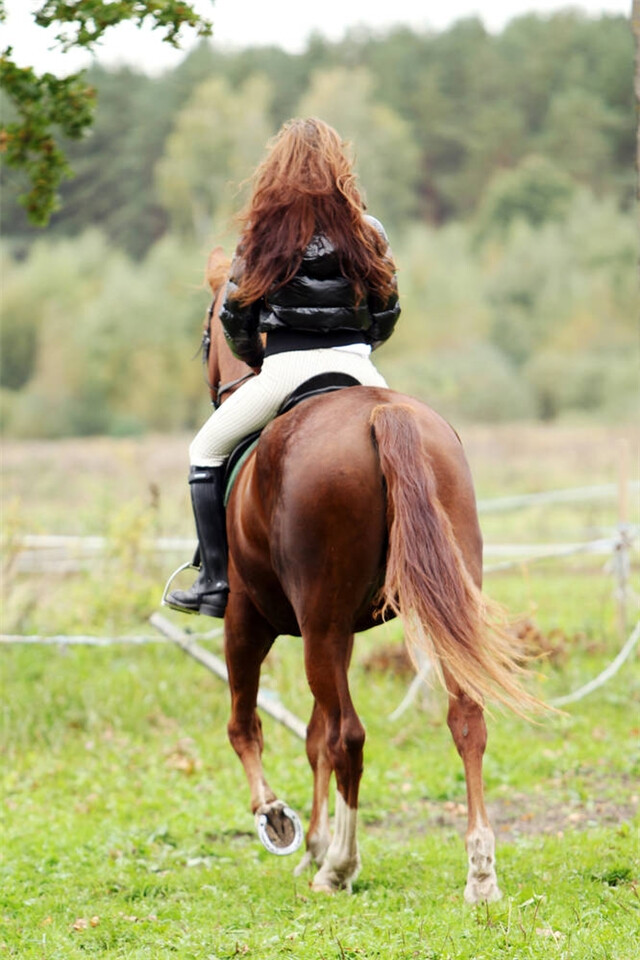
x=427, y=583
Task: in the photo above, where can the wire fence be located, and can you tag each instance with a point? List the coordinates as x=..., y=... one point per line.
x=65, y=554
x=37, y=553
x=606, y=491
x=68, y=554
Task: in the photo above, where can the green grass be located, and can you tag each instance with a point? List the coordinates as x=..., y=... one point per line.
x=126, y=831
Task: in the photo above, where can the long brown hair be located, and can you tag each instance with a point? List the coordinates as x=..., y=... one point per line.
x=306, y=185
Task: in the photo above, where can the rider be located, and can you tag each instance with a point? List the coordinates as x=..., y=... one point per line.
x=313, y=272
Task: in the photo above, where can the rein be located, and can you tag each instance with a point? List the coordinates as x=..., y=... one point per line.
x=225, y=387
x=205, y=346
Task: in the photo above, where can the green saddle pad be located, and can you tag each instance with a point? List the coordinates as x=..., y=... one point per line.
x=236, y=467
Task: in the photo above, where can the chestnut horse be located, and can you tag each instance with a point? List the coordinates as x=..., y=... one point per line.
x=355, y=505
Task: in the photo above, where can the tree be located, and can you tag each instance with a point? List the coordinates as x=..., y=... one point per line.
x=577, y=135
x=218, y=138
x=46, y=107
x=535, y=191
x=387, y=158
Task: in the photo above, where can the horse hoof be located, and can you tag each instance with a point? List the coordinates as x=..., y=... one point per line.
x=329, y=879
x=279, y=828
x=325, y=888
x=479, y=891
x=329, y=885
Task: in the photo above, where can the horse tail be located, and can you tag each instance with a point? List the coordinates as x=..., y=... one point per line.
x=427, y=583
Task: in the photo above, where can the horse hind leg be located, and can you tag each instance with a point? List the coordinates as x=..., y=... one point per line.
x=327, y=661
x=319, y=833
x=467, y=725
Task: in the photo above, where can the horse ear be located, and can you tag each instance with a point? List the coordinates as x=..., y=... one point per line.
x=217, y=268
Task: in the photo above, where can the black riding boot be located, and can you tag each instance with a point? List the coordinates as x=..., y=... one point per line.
x=208, y=595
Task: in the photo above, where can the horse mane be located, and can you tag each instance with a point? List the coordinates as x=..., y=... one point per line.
x=217, y=269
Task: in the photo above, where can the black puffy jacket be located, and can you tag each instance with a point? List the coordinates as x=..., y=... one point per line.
x=316, y=308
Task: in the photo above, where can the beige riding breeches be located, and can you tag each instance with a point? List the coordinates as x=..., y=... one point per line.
x=257, y=401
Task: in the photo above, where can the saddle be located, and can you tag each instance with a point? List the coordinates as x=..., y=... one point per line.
x=321, y=383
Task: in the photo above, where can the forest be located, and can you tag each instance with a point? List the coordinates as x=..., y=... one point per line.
x=501, y=164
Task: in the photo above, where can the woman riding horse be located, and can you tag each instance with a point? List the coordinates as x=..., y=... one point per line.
x=353, y=505
x=314, y=273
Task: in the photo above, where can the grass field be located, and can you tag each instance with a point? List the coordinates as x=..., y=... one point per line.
x=126, y=830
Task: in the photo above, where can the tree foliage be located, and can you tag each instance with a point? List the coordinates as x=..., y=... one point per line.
x=88, y=20
x=502, y=166
x=387, y=158
x=217, y=139
x=540, y=322
x=535, y=191
x=29, y=142
x=450, y=110
x=474, y=104
x=47, y=108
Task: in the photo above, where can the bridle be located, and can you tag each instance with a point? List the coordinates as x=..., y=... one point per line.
x=217, y=392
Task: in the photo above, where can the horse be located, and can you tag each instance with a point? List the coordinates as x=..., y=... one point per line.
x=356, y=506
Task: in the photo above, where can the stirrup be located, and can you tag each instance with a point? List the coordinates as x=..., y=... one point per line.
x=189, y=565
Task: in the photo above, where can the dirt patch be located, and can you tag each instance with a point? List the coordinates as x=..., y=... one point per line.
x=514, y=816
